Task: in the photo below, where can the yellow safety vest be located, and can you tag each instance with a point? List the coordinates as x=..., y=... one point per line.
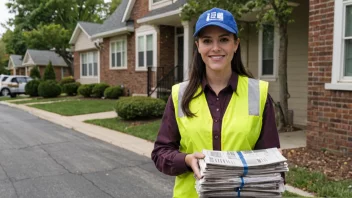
x=241, y=125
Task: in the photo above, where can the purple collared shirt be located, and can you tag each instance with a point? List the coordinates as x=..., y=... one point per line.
x=166, y=155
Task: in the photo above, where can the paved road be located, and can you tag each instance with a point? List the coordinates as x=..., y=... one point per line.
x=40, y=159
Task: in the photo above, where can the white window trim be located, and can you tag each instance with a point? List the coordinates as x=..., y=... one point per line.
x=273, y=77
x=62, y=72
x=338, y=82
x=160, y=4
x=123, y=67
x=98, y=61
x=144, y=33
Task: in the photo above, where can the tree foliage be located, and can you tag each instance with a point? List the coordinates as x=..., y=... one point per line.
x=35, y=73
x=49, y=73
x=49, y=24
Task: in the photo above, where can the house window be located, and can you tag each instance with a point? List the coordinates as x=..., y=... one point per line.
x=341, y=78
x=348, y=42
x=155, y=4
x=146, y=50
x=118, y=54
x=267, y=52
x=89, y=64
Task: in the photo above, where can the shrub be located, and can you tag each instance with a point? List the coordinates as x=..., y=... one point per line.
x=49, y=89
x=71, y=88
x=98, y=90
x=86, y=90
x=139, y=107
x=49, y=73
x=113, y=92
x=66, y=80
x=31, y=88
x=35, y=73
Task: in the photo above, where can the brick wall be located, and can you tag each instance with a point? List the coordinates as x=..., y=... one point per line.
x=329, y=111
x=76, y=67
x=56, y=69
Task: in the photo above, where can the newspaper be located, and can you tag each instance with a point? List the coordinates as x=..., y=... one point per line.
x=254, y=173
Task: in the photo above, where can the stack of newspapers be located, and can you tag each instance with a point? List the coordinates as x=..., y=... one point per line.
x=241, y=174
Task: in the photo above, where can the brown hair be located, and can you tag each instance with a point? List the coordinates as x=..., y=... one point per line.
x=198, y=73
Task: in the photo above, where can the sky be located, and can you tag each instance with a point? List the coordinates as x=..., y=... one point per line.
x=4, y=15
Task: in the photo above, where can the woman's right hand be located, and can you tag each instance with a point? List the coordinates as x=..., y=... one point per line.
x=192, y=161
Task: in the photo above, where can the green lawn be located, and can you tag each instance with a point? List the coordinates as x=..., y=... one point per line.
x=318, y=183
x=78, y=107
x=148, y=130
x=33, y=100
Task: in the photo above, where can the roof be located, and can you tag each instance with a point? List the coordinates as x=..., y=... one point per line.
x=89, y=27
x=114, y=22
x=16, y=60
x=42, y=57
x=174, y=6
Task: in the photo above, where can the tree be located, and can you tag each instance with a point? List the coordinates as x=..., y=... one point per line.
x=277, y=12
x=4, y=58
x=35, y=73
x=49, y=73
x=53, y=20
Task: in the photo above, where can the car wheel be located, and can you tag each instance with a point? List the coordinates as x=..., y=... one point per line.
x=5, y=92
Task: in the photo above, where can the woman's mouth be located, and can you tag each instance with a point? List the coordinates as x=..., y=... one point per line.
x=216, y=57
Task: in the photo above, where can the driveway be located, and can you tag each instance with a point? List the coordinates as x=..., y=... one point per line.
x=41, y=159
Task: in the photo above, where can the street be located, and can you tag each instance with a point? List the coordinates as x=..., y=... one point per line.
x=39, y=159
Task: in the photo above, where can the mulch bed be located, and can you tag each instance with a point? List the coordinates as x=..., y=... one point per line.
x=335, y=167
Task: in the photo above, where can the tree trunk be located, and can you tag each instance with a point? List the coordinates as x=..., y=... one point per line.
x=283, y=89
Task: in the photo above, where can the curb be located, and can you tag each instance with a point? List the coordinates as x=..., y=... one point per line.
x=125, y=141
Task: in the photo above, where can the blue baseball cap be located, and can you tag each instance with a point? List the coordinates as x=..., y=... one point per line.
x=218, y=17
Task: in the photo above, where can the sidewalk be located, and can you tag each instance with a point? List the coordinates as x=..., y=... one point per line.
x=135, y=144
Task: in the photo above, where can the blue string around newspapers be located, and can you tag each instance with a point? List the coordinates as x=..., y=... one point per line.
x=245, y=171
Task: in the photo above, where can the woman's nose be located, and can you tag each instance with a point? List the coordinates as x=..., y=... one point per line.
x=216, y=46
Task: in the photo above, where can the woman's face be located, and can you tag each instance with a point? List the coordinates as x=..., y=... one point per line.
x=217, y=47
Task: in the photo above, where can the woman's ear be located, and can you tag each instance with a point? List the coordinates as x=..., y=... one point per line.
x=197, y=44
x=237, y=43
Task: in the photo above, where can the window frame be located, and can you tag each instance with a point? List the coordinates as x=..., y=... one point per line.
x=81, y=65
x=338, y=81
x=154, y=43
x=160, y=4
x=123, y=65
x=274, y=76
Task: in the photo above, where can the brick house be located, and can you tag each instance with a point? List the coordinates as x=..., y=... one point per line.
x=15, y=65
x=329, y=123
x=41, y=59
x=144, y=34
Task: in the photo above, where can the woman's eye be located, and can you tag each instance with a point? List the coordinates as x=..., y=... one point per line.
x=206, y=41
x=224, y=40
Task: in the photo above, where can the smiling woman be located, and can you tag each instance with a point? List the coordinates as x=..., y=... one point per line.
x=221, y=107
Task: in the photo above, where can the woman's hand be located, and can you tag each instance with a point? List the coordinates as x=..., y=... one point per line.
x=192, y=161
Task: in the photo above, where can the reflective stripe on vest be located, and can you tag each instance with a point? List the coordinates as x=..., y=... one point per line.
x=241, y=125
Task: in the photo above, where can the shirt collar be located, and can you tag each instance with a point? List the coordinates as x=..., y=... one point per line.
x=232, y=82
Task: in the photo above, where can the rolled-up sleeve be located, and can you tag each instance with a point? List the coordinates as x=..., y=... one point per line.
x=166, y=155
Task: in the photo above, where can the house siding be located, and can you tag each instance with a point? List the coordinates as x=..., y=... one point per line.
x=297, y=58
x=83, y=42
x=329, y=111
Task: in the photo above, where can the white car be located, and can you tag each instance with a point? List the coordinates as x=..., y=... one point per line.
x=13, y=85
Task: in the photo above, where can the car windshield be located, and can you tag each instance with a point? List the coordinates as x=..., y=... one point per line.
x=3, y=79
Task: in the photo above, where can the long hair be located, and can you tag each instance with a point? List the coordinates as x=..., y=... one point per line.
x=198, y=73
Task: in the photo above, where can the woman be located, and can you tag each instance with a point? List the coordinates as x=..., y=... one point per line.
x=221, y=107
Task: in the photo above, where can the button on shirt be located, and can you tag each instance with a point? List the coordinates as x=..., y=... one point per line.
x=166, y=155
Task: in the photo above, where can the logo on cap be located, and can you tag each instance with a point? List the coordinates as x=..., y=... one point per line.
x=215, y=16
